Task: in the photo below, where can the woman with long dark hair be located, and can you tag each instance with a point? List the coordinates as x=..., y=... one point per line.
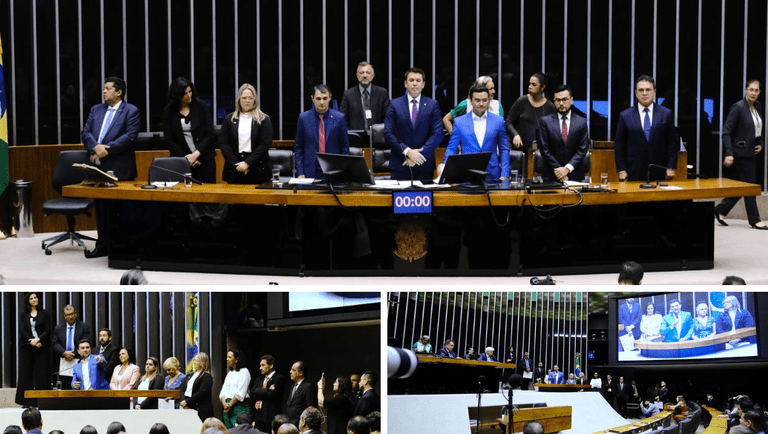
x=151, y=380
x=126, y=374
x=525, y=113
x=34, y=349
x=340, y=406
x=188, y=129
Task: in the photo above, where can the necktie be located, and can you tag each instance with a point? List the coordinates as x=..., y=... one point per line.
x=565, y=129
x=263, y=386
x=104, y=130
x=69, y=338
x=415, y=111
x=647, y=125
x=366, y=106
x=321, y=135
x=290, y=398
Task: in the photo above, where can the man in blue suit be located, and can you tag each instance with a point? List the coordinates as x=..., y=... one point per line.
x=320, y=130
x=645, y=135
x=110, y=136
x=447, y=350
x=413, y=128
x=481, y=131
x=564, y=140
x=488, y=356
x=89, y=372
x=676, y=325
x=556, y=377
x=629, y=316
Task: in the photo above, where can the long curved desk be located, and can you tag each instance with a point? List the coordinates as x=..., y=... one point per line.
x=710, y=344
x=292, y=230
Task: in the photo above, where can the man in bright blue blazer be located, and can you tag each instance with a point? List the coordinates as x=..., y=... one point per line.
x=308, y=142
x=638, y=144
x=556, y=377
x=95, y=363
x=494, y=134
x=676, y=325
x=413, y=128
x=563, y=148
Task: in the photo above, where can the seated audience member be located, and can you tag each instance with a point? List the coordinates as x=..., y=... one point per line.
x=13, y=429
x=703, y=323
x=243, y=425
x=733, y=317
x=278, y=421
x=374, y=422
x=174, y=379
x=369, y=401
x=533, y=427
x=133, y=277
x=488, y=356
x=650, y=323
x=152, y=380
x=422, y=345
x=447, y=350
x=733, y=280
x=470, y=353
x=571, y=379
x=631, y=273
x=126, y=374
x=676, y=325
x=90, y=429
x=340, y=407
x=32, y=421
x=556, y=377
x=88, y=374
x=158, y=428
x=648, y=408
x=680, y=409
x=116, y=428
x=215, y=423
x=288, y=428
x=310, y=421
x=754, y=419
x=358, y=425
x=741, y=429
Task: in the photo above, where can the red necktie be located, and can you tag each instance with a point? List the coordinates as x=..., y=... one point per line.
x=565, y=130
x=263, y=386
x=321, y=135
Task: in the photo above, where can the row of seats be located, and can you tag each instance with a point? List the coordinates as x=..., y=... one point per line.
x=689, y=425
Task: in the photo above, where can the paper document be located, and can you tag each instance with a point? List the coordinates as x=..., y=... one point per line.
x=162, y=405
x=672, y=187
x=528, y=375
x=164, y=183
x=294, y=181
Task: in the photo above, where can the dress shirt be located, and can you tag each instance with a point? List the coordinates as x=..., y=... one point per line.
x=71, y=332
x=480, y=123
x=568, y=124
x=295, y=388
x=32, y=327
x=732, y=314
x=236, y=385
x=86, y=375
x=114, y=109
x=757, y=121
x=410, y=114
x=244, y=132
x=679, y=326
x=641, y=110
x=596, y=383
x=191, y=384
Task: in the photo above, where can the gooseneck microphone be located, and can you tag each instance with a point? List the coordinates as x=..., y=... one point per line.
x=183, y=175
x=648, y=176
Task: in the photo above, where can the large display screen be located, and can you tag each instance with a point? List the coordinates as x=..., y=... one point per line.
x=302, y=301
x=686, y=326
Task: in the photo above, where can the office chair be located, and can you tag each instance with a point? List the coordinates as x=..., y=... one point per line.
x=176, y=164
x=69, y=207
x=282, y=159
x=381, y=152
x=517, y=162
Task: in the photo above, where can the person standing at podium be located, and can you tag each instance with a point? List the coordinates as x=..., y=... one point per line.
x=34, y=350
x=64, y=341
x=89, y=372
x=556, y=377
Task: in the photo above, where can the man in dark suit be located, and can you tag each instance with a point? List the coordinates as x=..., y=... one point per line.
x=319, y=130
x=311, y=421
x=525, y=366
x=110, y=136
x=109, y=351
x=645, y=135
x=267, y=392
x=564, y=140
x=447, y=350
x=365, y=104
x=620, y=392
x=89, y=372
x=629, y=317
x=64, y=342
x=413, y=128
x=479, y=120
x=302, y=394
x=370, y=401
x=243, y=425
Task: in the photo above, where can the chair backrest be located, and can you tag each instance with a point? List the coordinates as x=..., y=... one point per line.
x=538, y=163
x=355, y=140
x=586, y=163
x=517, y=161
x=688, y=426
x=381, y=160
x=356, y=151
x=377, y=134
x=282, y=159
x=672, y=429
x=176, y=164
x=64, y=173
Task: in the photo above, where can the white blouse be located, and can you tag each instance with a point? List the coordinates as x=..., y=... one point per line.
x=244, y=132
x=236, y=385
x=191, y=383
x=144, y=385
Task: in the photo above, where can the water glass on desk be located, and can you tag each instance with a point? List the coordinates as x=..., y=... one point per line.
x=515, y=179
x=188, y=180
x=604, y=180
x=275, y=175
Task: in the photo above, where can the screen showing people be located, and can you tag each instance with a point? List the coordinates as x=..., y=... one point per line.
x=692, y=325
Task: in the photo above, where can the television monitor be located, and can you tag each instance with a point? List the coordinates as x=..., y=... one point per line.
x=461, y=168
x=345, y=168
x=685, y=327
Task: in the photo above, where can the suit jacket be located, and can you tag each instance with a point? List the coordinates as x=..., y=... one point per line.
x=307, y=145
x=556, y=152
x=95, y=372
x=261, y=141
x=634, y=153
x=486, y=358
x=112, y=354
x=271, y=399
x=740, y=127
x=742, y=320
x=130, y=378
x=369, y=402
x=59, y=339
x=494, y=141
x=305, y=396
x=400, y=133
x=627, y=318
x=620, y=392
x=151, y=403
x=521, y=365
x=352, y=106
x=556, y=378
x=120, y=137
x=670, y=333
x=442, y=352
x=43, y=328
x=202, y=131
x=201, y=399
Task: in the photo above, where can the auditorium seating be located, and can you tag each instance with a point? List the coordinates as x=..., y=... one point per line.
x=381, y=152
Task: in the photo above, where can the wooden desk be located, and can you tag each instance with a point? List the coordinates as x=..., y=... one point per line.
x=433, y=359
x=665, y=230
x=708, y=345
x=93, y=399
x=437, y=375
x=543, y=387
x=719, y=422
x=659, y=420
x=554, y=419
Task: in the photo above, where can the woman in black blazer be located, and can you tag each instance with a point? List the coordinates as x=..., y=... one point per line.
x=34, y=350
x=742, y=141
x=152, y=380
x=188, y=130
x=246, y=151
x=199, y=396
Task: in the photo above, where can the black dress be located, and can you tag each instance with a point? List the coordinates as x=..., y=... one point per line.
x=340, y=409
x=199, y=119
x=34, y=363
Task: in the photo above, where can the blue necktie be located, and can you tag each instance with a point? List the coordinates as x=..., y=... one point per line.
x=69, y=338
x=647, y=125
x=104, y=130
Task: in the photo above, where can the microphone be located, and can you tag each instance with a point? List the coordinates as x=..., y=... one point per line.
x=648, y=176
x=694, y=174
x=480, y=380
x=515, y=381
x=185, y=176
x=57, y=385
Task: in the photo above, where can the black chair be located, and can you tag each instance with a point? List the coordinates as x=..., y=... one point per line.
x=174, y=164
x=65, y=174
x=282, y=159
x=516, y=162
x=586, y=163
x=538, y=163
x=688, y=426
x=355, y=140
x=356, y=151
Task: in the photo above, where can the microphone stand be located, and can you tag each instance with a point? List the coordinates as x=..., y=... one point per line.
x=648, y=176
x=185, y=176
x=479, y=398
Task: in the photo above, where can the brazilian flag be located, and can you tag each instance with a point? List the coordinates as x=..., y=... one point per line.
x=4, y=168
x=193, y=330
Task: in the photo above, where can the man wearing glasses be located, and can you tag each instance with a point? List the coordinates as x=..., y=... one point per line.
x=564, y=140
x=646, y=135
x=65, y=338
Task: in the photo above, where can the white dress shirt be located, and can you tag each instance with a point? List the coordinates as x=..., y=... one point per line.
x=244, y=132
x=641, y=109
x=480, y=123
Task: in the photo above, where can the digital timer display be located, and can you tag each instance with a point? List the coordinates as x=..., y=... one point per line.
x=412, y=202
